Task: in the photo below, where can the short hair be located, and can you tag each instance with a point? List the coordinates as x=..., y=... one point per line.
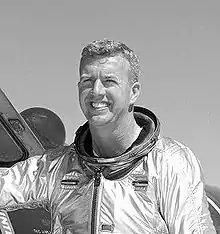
x=111, y=48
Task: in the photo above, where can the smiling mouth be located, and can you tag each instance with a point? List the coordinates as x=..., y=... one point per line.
x=99, y=105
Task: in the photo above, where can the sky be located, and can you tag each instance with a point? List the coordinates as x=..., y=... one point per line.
x=177, y=42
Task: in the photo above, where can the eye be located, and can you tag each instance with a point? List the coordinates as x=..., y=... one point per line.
x=85, y=81
x=110, y=80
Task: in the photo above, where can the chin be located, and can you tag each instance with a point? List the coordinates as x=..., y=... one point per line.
x=99, y=121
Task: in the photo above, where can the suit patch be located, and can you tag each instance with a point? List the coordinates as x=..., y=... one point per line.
x=140, y=181
x=71, y=180
x=107, y=227
x=140, y=185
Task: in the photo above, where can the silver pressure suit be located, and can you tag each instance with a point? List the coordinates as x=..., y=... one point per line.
x=156, y=186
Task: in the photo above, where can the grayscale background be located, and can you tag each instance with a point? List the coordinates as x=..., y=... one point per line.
x=178, y=43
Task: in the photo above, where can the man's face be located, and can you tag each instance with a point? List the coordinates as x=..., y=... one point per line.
x=104, y=89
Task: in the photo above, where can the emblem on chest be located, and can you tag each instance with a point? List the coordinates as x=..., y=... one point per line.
x=71, y=180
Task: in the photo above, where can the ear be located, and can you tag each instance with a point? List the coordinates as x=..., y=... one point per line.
x=135, y=92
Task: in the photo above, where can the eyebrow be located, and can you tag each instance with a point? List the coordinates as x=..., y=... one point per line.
x=110, y=75
x=104, y=76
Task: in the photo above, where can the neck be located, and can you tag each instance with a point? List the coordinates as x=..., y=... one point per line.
x=113, y=141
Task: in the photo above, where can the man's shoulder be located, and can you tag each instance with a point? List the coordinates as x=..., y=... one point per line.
x=60, y=152
x=168, y=145
x=173, y=154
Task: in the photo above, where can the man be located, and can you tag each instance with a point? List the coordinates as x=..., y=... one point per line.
x=119, y=175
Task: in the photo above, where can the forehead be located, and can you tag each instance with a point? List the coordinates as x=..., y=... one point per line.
x=105, y=63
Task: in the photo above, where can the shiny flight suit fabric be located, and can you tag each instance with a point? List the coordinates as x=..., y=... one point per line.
x=169, y=199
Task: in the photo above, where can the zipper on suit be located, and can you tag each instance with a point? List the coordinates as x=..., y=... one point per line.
x=97, y=182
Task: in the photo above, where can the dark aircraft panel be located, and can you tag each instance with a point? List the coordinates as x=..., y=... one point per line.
x=30, y=221
x=13, y=125
x=46, y=125
x=213, y=194
x=9, y=149
x=215, y=218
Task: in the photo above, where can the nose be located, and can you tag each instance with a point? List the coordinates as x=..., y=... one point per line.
x=98, y=87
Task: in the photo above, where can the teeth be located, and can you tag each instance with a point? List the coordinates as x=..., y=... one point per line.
x=98, y=104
